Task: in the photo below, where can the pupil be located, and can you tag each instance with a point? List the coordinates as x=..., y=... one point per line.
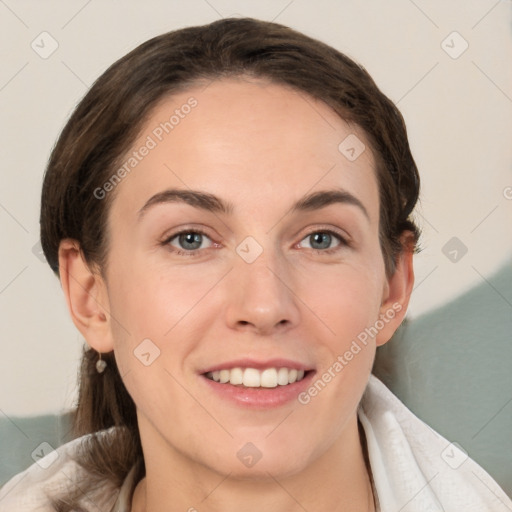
x=193, y=239
x=324, y=239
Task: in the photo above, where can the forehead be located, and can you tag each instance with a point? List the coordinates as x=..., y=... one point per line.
x=247, y=140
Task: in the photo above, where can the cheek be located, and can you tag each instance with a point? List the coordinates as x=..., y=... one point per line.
x=150, y=346
x=346, y=302
x=157, y=311
x=345, y=297
x=151, y=299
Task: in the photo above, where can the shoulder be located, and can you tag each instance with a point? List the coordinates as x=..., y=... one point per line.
x=53, y=474
x=414, y=467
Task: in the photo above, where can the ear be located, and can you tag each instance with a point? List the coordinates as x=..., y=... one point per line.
x=397, y=291
x=86, y=296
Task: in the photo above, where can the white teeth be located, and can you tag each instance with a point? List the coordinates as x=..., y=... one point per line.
x=252, y=378
x=237, y=376
x=282, y=376
x=269, y=378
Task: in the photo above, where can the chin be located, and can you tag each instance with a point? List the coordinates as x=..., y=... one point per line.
x=249, y=463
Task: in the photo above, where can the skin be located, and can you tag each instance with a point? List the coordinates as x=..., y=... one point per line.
x=261, y=147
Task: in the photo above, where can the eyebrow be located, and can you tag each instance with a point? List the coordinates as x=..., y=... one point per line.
x=194, y=198
x=212, y=203
x=323, y=198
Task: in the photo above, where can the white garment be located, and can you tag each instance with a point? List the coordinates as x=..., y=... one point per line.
x=414, y=469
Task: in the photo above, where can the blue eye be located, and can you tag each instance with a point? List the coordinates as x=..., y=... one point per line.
x=321, y=241
x=188, y=242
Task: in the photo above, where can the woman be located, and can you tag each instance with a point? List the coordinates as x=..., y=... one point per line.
x=229, y=212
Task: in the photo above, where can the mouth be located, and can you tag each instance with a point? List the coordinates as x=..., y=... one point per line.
x=255, y=378
x=258, y=384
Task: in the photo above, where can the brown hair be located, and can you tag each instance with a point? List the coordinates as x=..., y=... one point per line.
x=107, y=122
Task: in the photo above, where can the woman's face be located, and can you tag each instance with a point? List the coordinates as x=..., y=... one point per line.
x=277, y=273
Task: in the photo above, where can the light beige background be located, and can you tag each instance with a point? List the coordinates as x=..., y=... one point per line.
x=458, y=112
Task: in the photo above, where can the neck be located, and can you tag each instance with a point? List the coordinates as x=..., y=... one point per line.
x=337, y=480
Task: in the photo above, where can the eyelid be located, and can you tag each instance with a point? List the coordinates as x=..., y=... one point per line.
x=173, y=233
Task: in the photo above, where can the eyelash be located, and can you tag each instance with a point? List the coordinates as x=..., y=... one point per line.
x=195, y=252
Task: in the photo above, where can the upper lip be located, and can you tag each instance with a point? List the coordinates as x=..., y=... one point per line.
x=258, y=365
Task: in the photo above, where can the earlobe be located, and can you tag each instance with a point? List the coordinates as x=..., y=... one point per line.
x=398, y=293
x=86, y=296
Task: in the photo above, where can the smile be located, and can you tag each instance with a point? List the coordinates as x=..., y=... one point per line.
x=253, y=378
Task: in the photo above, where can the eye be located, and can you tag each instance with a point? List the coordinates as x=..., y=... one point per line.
x=188, y=242
x=321, y=241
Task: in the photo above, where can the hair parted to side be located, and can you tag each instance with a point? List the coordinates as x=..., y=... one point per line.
x=106, y=123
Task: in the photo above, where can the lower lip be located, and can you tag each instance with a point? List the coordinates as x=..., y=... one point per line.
x=260, y=398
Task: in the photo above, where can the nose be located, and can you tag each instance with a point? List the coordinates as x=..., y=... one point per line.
x=261, y=297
